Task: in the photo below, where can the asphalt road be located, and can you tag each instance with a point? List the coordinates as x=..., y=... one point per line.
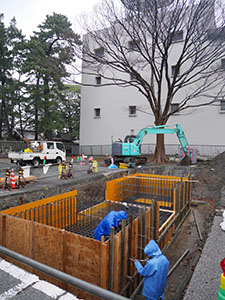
x=50, y=179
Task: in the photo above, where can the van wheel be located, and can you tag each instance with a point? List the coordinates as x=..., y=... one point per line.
x=58, y=160
x=21, y=163
x=36, y=162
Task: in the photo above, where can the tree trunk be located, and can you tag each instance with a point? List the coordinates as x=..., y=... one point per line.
x=160, y=155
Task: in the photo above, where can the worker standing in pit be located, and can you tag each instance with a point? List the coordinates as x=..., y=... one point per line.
x=155, y=272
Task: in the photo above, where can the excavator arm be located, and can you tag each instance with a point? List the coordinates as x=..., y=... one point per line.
x=163, y=129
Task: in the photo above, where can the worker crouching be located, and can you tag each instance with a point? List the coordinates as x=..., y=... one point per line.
x=155, y=272
x=92, y=166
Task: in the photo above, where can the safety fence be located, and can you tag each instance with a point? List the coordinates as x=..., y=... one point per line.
x=55, y=232
x=103, y=150
x=146, y=149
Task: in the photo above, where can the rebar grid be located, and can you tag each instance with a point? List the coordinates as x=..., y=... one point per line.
x=89, y=219
x=144, y=190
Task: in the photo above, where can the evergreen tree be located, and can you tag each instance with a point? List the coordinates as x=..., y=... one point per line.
x=51, y=50
x=12, y=48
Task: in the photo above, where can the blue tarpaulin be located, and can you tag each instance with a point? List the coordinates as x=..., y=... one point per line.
x=112, y=219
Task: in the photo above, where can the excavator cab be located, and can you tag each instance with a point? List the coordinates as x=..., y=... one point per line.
x=129, y=138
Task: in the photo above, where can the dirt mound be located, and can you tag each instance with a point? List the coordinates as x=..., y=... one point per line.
x=218, y=163
x=211, y=178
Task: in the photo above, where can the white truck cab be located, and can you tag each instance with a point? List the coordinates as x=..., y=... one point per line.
x=52, y=151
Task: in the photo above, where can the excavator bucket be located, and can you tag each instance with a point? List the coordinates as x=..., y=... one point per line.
x=186, y=161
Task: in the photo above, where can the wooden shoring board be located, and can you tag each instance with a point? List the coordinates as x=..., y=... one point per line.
x=2, y=228
x=135, y=247
x=16, y=235
x=104, y=273
x=126, y=258
x=117, y=263
x=83, y=260
x=48, y=249
x=82, y=257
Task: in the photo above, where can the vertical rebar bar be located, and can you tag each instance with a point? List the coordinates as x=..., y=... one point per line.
x=130, y=245
x=144, y=229
x=122, y=253
x=152, y=219
x=111, y=258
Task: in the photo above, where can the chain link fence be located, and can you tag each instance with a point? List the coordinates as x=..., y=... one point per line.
x=102, y=150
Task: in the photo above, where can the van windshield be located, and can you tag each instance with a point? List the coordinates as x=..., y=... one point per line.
x=60, y=146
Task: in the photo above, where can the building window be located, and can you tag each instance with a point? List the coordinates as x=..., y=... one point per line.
x=99, y=52
x=177, y=36
x=132, y=111
x=174, y=107
x=175, y=70
x=223, y=63
x=97, y=113
x=222, y=106
x=98, y=80
x=133, y=45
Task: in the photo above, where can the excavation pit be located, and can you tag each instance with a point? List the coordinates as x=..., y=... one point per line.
x=57, y=232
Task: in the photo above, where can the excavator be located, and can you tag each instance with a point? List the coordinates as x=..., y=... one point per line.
x=129, y=151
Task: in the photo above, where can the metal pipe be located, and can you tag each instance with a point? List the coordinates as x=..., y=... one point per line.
x=177, y=263
x=81, y=284
x=196, y=223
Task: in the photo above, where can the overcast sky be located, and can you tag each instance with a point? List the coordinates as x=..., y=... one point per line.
x=30, y=13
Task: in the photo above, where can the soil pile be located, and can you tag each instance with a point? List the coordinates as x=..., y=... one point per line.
x=211, y=178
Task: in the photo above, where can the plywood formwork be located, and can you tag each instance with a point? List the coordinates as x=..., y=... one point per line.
x=53, y=231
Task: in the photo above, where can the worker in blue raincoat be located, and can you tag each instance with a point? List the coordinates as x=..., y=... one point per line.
x=155, y=272
x=112, y=219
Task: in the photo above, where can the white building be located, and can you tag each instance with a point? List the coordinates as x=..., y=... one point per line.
x=112, y=112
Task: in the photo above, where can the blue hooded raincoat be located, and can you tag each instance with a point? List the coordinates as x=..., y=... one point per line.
x=112, y=219
x=155, y=272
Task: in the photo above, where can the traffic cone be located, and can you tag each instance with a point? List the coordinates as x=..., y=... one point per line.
x=12, y=179
x=221, y=294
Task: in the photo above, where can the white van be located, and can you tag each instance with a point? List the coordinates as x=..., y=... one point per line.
x=54, y=151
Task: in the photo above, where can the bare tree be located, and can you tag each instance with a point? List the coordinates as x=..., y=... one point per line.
x=140, y=38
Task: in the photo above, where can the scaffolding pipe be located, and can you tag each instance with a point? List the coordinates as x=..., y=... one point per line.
x=81, y=284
